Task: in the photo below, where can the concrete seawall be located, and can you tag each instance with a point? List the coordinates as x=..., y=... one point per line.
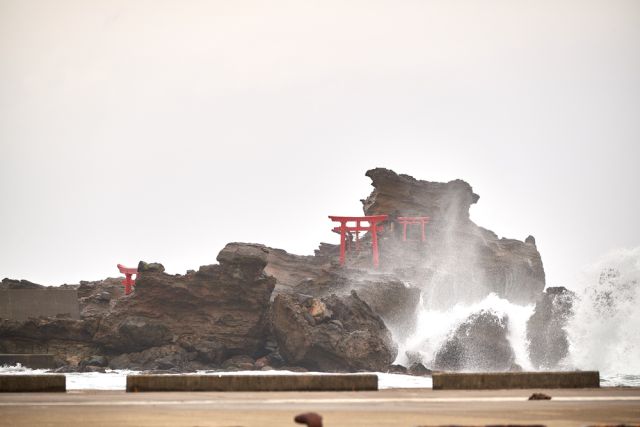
x=330, y=382
x=514, y=380
x=21, y=304
x=32, y=383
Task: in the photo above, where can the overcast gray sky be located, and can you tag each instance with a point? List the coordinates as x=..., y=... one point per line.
x=160, y=130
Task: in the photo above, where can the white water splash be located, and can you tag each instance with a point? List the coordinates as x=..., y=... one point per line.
x=434, y=326
x=604, y=333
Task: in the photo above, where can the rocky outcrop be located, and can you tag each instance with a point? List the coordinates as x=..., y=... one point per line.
x=331, y=333
x=459, y=261
x=67, y=339
x=290, y=270
x=394, y=300
x=478, y=344
x=204, y=316
x=548, y=343
x=402, y=195
x=96, y=298
x=222, y=307
x=278, y=309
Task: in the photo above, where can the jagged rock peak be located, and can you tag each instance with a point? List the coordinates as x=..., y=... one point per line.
x=396, y=194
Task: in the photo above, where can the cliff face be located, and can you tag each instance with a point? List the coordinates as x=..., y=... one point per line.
x=331, y=333
x=226, y=304
x=402, y=195
x=548, y=341
x=265, y=303
x=459, y=261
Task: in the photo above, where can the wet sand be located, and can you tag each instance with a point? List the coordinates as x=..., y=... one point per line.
x=396, y=407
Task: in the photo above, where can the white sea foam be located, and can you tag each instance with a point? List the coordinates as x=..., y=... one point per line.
x=604, y=333
x=434, y=326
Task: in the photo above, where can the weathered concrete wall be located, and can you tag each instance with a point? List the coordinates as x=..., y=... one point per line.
x=329, y=382
x=514, y=380
x=33, y=361
x=32, y=383
x=21, y=304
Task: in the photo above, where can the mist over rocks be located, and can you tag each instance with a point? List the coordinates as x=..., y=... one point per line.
x=263, y=307
x=459, y=261
x=479, y=344
x=546, y=328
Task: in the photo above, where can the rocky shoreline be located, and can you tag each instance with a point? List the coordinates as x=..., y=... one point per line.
x=261, y=308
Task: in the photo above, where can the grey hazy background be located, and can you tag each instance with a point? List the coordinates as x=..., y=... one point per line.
x=160, y=130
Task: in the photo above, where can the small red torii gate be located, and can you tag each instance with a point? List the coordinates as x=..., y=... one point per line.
x=373, y=228
x=413, y=220
x=128, y=282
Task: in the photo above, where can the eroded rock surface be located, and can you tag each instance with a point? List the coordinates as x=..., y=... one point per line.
x=279, y=309
x=548, y=343
x=459, y=261
x=479, y=344
x=331, y=333
x=223, y=306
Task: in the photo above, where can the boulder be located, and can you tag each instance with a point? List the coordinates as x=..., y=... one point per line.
x=96, y=298
x=94, y=360
x=479, y=344
x=240, y=363
x=548, y=343
x=391, y=298
x=150, y=266
x=331, y=333
x=165, y=357
x=418, y=369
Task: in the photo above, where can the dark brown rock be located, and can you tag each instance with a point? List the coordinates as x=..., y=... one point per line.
x=150, y=266
x=164, y=357
x=548, y=342
x=311, y=419
x=394, y=300
x=226, y=304
x=479, y=344
x=539, y=396
x=418, y=369
x=459, y=261
x=359, y=341
x=97, y=298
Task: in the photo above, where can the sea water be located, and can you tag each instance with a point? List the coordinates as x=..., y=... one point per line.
x=603, y=332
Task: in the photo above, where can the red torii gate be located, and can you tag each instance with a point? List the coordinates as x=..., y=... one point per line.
x=412, y=220
x=373, y=228
x=128, y=282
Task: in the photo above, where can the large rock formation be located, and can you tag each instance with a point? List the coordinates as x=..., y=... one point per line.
x=222, y=306
x=205, y=316
x=396, y=301
x=459, y=262
x=479, y=344
x=548, y=343
x=265, y=303
x=331, y=333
